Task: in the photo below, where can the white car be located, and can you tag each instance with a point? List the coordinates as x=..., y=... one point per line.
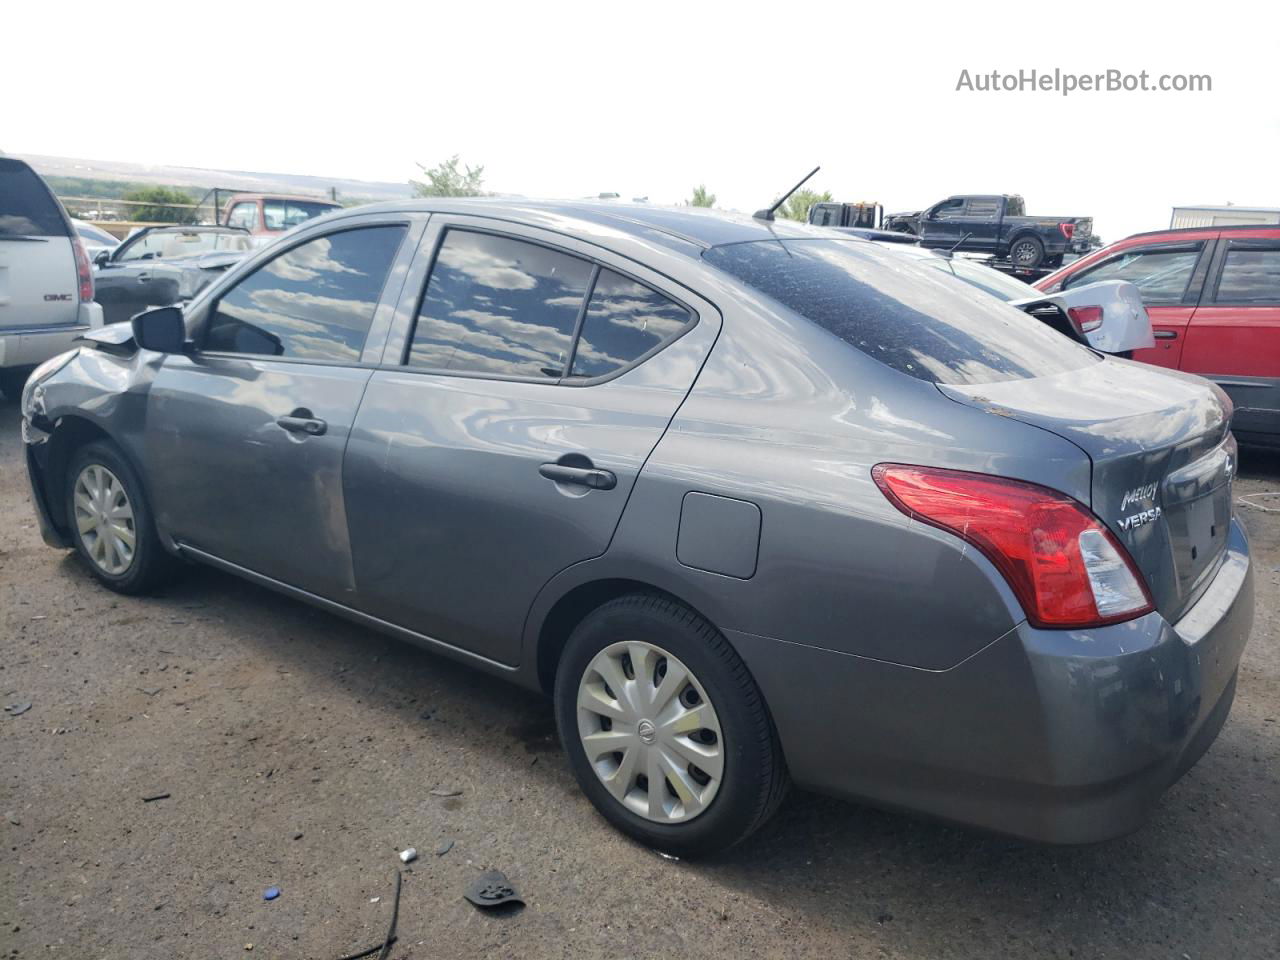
x=1109, y=315
x=95, y=239
x=46, y=282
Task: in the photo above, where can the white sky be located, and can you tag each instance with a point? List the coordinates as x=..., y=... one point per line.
x=560, y=99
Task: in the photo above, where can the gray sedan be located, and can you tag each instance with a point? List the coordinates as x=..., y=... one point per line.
x=753, y=503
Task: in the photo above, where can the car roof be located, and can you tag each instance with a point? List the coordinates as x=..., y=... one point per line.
x=688, y=229
x=1188, y=231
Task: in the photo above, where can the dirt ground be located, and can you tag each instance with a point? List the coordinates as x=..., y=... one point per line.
x=300, y=751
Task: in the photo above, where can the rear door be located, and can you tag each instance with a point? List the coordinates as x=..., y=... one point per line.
x=38, y=283
x=245, y=435
x=981, y=221
x=531, y=376
x=1170, y=277
x=1234, y=336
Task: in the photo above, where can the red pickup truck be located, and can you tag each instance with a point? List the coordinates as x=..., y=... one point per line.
x=1213, y=294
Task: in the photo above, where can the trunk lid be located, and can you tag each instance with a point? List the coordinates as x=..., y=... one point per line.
x=1163, y=461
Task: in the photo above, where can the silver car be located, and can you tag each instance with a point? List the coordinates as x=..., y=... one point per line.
x=754, y=504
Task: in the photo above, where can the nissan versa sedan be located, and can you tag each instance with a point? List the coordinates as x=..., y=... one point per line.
x=753, y=503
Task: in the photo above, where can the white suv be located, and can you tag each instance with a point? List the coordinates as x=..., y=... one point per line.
x=46, y=283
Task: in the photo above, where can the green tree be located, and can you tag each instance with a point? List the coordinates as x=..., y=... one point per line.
x=157, y=207
x=446, y=180
x=798, y=204
x=701, y=198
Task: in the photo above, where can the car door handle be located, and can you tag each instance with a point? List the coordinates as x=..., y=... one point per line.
x=1165, y=334
x=581, y=476
x=308, y=424
x=144, y=278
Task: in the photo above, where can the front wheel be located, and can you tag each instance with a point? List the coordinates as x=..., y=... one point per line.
x=1027, y=252
x=111, y=522
x=666, y=731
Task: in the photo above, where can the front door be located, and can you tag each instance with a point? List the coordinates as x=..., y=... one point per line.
x=500, y=441
x=246, y=433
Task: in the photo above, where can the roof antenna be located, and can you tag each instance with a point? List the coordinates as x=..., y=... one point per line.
x=768, y=214
x=956, y=246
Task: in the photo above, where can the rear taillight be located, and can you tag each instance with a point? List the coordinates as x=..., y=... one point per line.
x=1085, y=319
x=1068, y=229
x=1065, y=567
x=84, y=272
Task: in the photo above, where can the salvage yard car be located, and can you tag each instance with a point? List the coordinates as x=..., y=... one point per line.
x=1214, y=298
x=267, y=215
x=46, y=283
x=159, y=266
x=1108, y=315
x=996, y=224
x=754, y=503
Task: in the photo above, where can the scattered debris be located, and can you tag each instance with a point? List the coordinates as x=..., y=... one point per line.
x=408, y=856
x=297, y=836
x=154, y=797
x=150, y=691
x=492, y=889
x=375, y=899
x=13, y=818
x=383, y=948
x=40, y=617
x=446, y=792
x=270, y=893
x=443, y=847
x=248, y=946
x=17, y=709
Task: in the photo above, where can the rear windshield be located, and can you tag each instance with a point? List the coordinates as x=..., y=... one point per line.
x=27, y=208
x=917, y=320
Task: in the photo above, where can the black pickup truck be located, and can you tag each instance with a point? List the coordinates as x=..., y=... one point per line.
x=996, y=224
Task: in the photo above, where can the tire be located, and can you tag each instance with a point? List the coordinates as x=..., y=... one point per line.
x=1026, y=252
x=699, y=818
x=12, y=381
x=99, y=478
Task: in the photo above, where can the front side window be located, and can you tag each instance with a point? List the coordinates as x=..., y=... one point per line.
x=314, y=302
x=499, y=306
x=914, y=319
x=244, y=215
x=1250, y=276
x=949, y=209
x=624, y=321
x=1161, y=276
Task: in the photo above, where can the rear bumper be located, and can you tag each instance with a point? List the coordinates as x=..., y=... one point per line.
x=28, y=346
x=1053, y=736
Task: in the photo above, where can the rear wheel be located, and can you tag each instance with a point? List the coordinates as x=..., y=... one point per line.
x=665, y=729
x=111, y=522
x=1026, y=252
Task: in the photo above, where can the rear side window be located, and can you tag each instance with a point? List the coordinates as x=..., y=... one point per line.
x=1250, y=276
x=914, y=319
x=312, y=302
x=27, y=208
x=497, y=305
x=1161, y=276
x=624, y=321
x=983, y=209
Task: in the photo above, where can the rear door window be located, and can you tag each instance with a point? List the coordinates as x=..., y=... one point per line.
x=313, y=302
x=914, y=319
x=624, y=321
x=499, y=306
x=27, y=208
x=1250, y=275
x=1160, y=274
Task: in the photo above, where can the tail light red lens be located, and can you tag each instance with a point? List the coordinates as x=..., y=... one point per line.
x=1068, y=229
x=1086, y=319
x=84, y=273
x=1064, y=566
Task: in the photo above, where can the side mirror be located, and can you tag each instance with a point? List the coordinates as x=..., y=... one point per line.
x=102, y=259
x=160, y=329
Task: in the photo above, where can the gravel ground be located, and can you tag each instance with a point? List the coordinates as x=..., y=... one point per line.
x=301, y=751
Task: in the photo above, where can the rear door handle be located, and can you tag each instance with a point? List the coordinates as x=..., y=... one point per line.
x=580, y=476
x=1166, y=334
x=312, y=426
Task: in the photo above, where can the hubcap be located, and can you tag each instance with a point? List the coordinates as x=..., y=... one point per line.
x=649, y=732
x=104, y=518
